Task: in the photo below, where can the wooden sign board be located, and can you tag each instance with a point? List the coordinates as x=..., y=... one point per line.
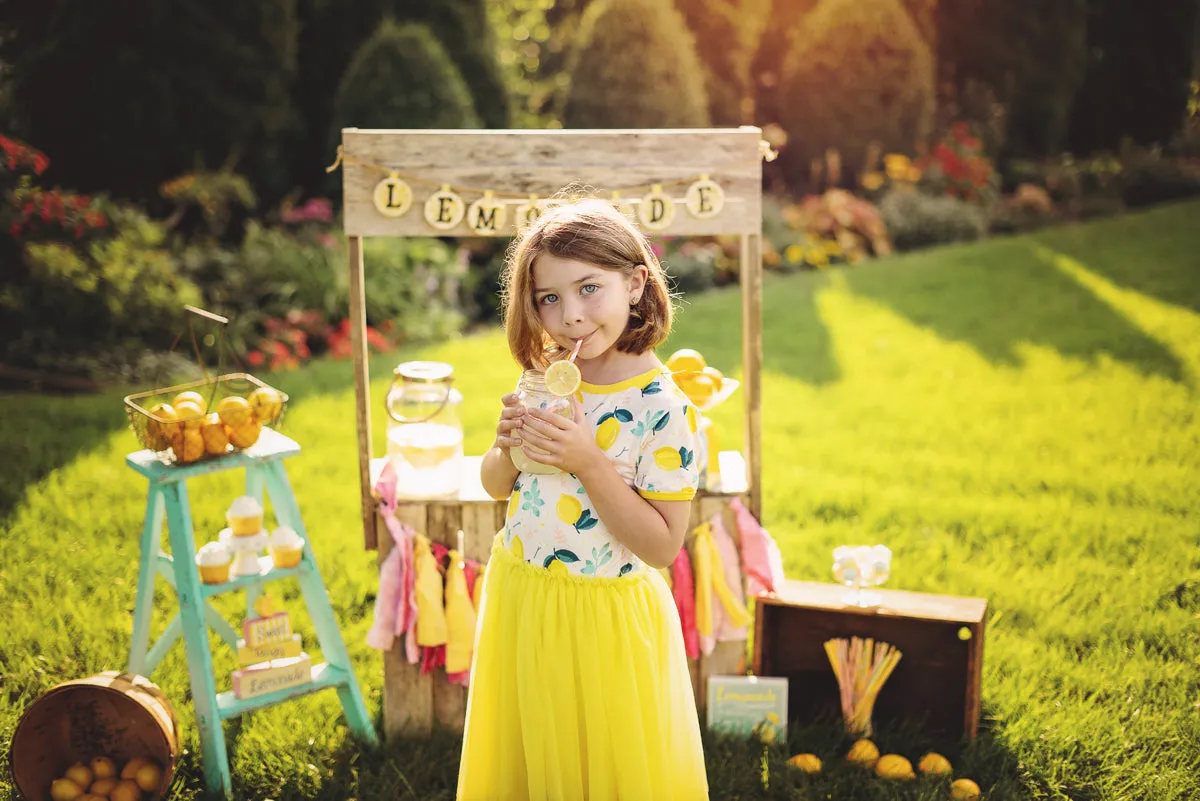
x=515, y=165
x=276, y=628
x=265, y=652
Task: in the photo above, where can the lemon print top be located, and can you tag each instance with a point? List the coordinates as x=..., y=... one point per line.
x=647, y=427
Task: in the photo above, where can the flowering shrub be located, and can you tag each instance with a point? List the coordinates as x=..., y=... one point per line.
x=300, y=335
x=839, y=224
x=30, y=212
x=216, y=194
x=957, y=166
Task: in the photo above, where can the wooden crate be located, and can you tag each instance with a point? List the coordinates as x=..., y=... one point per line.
x=940, y=637
x=414, y=703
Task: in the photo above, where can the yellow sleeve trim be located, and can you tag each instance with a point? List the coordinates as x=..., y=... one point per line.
x=682, y=495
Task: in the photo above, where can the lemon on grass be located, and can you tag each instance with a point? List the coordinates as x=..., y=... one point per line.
x=809, y=763
x=965, y=790
x=894, y=766
x=864, y=753
x=563, y=379
x=934, y=764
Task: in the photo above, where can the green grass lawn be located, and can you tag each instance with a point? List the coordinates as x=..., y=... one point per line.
x=1016, y=419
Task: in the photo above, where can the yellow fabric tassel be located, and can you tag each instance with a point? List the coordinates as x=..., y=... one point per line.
x=710, y=578
x=477, y=591
x=702, y=569
x=431, y=615
x=460, y=618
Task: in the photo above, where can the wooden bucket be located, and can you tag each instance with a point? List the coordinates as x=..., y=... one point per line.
x=118, y=715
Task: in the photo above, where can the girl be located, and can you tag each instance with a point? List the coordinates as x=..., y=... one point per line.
x=580, y=686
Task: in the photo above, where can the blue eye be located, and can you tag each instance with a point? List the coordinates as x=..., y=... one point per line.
x=548, y=299
x=590, y=289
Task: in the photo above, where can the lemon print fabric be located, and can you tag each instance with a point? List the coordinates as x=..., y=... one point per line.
x=647, y=429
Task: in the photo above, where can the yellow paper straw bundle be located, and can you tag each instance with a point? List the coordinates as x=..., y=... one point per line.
x=861, y=667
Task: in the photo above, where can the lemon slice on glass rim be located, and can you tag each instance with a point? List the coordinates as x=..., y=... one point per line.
x=563, y=379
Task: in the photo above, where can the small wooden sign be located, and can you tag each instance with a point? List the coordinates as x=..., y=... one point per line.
x=253, y=654
x=267, y=677
x=750, y=705
x=268, y=630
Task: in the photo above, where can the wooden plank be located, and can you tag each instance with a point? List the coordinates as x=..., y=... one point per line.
x=727, y=659
x=407, y=695
x=362, y=389
x=893, y=603
x=531, y=162
x=752, y=359
x=480, y=527
x=974, y=701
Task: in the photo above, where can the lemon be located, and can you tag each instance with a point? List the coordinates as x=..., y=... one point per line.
x=568, y=509
x=104, y=786
x=685, y=359
x=894, y=766
x=809, y=763
x=668, y=459
x=103, y=768
x=266, y=403
x=190, y=396
x=127, y=790
x=65, y=790
x=158, y=434
x=690, y=414
x=79, y=773
x=513, y=500
x=189, y=446
x=699, y=387
x=517, y=547
x=864, y=753
x=245, y=435
x=190, y=414
x=965, y=790
x=132, y=767
x=935, y=765
x=716, y=375
x=562, y=378
x=234, y=410
x=149, y=776
x=213, y=433
x=606, y=433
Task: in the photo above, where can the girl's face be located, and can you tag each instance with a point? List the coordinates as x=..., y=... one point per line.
x=577, y=300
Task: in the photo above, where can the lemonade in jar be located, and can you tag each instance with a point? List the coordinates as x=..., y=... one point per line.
x=425, y=435
x=532, y=391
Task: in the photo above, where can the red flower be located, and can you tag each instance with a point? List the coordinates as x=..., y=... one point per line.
x=40, y=163
x=255, y=358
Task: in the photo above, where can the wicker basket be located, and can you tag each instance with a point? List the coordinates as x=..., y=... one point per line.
x=160, y=435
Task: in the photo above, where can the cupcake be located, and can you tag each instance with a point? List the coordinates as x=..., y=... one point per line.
x=214, y=560
x=245, y=516
x=286, y=547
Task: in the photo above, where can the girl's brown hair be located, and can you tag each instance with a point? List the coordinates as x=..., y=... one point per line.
x=590, y=231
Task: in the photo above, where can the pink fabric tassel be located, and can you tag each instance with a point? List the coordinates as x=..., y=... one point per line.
x=723, y=628
x=397, y=579
x=683, y=588
x=762, y=561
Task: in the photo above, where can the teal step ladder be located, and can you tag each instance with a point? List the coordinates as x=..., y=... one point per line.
x=168, y=497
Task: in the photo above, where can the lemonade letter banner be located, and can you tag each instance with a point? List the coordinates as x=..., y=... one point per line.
x=495, y=183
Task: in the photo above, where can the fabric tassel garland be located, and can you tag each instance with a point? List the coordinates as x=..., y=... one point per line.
x=761, y=559
x=683, y=588
x=460, y=622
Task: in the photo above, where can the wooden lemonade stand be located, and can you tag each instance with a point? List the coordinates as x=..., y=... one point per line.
x=420, y=183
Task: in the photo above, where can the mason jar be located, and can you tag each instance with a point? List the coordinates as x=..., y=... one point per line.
x=425, y=433
x=531, y=390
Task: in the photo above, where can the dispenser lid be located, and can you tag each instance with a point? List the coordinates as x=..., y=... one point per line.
x=425, y=372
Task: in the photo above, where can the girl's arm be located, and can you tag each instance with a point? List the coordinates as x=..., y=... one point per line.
x=654, y=530
x=497, y=473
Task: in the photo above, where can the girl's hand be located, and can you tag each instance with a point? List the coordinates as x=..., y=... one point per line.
x=511, y=418
x=568, y=444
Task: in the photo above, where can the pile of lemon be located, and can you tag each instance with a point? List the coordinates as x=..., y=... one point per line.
x=192, y=431
x=893, y=766
x=100, y=780
x=692, y=374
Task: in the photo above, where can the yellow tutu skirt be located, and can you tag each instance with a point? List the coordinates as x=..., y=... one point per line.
x=579, y=690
